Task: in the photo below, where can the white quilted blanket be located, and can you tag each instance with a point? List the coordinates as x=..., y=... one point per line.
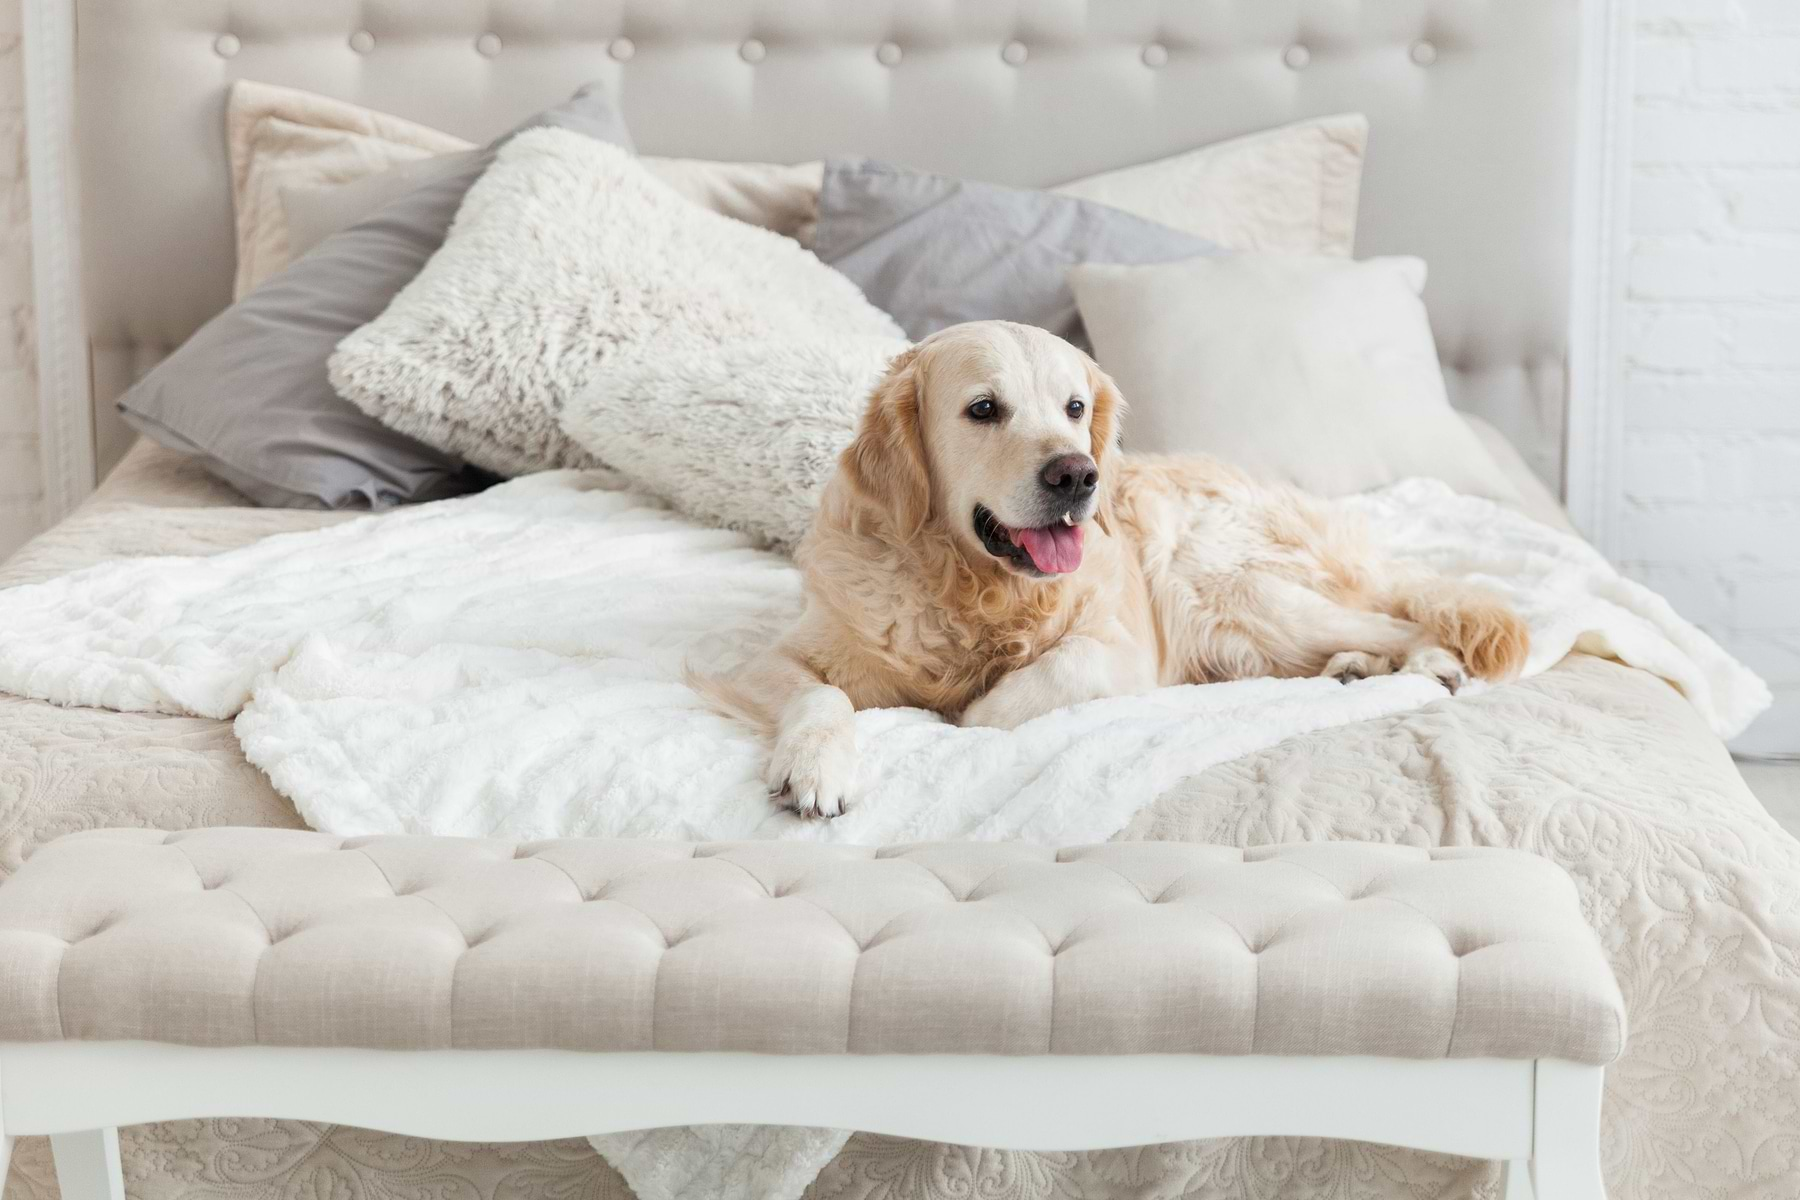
x=509, y=664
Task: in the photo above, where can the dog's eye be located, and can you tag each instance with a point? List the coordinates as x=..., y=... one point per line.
x=984, y=409
x=1075, y=409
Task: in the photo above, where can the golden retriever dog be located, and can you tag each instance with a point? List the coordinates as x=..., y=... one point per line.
x=985, y=550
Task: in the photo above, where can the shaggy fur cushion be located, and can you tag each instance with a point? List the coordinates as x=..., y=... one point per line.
x=567, y=260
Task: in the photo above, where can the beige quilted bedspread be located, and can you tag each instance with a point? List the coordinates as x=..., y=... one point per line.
x=1694, y=891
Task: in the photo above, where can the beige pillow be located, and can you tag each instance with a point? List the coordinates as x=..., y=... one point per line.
x=280, y=138
x=1291, y=190
x=1314, y=370
x=304, y=166
x=783, y=199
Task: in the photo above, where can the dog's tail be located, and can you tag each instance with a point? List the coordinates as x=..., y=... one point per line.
x=728, y=697
x=1478, y=624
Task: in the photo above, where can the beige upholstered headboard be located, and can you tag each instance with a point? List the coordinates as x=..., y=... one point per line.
x=1478, y=158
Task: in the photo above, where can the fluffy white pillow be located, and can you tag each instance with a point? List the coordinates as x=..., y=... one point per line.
x=1320, y=372
x=566, y=257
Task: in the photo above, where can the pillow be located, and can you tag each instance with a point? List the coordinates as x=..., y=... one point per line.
x=1292, y=190
x=932, y=251
x=743, y=432
x=784, y=199
x=1317, y=371
x=248, y=393
x=300, y=163
x=567, y=255
x=278, y=138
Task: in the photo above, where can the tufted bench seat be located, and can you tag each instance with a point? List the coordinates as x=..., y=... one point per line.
x=1452, y=998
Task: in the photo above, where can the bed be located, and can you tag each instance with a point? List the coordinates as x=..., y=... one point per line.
x=1603, y=768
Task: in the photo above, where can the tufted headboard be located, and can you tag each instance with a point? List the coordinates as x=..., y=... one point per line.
x=1477, y=158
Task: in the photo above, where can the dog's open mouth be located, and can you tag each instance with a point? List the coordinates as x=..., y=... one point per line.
x=1046, y=550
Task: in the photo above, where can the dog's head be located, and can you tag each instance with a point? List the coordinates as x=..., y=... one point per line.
x=1001, y=434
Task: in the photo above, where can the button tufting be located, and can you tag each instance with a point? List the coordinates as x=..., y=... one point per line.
x=621, y=49
x=362, y=41
x=1155, y=55
x=888, y=54
x=1014, y=54
x=488, y=45
x=1424, y=53
x=1296, y=57
x=753, y=51
x=665, y=900
x=226, y=45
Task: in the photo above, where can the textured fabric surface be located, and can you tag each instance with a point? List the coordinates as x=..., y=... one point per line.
x=249, y=393
x=1314, y=371
x=932, y=251
x=1599, y=767
x=282, y=938
x=568, y=255
x=281, y=138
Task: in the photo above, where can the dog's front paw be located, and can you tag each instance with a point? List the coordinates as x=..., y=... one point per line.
x=811, y=769
x=1437, y=663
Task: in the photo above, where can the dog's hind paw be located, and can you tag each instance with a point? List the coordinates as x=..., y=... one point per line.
x=1439, y=664
x=1348, y=666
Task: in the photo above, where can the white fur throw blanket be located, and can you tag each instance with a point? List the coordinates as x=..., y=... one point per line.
x=510, y=664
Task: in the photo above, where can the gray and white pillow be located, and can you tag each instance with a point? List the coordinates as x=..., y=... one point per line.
x=248, y=393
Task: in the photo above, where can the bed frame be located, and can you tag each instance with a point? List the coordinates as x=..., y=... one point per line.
x=1497, y=150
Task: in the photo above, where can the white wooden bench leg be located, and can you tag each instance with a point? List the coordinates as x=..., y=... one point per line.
x=1565, y=1132
x=1515, y=1179
x=87, y=1164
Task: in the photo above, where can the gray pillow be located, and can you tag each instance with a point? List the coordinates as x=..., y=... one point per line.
x=248, y=393
x=934, y=251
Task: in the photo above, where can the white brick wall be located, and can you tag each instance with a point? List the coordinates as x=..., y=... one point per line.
x=1711, y=473
x=1712, y=417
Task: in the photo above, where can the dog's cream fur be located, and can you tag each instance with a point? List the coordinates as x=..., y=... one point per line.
x=1192, y=571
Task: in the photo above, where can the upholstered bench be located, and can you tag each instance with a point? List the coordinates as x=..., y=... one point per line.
x=990, y=994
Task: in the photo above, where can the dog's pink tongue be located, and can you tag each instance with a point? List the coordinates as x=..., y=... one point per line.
x=1054, y=549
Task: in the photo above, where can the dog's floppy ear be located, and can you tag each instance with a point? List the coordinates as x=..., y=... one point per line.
x=886, y=462
x=1108, y=416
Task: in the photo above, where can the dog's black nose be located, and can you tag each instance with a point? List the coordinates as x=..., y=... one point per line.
x=1072, y=477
